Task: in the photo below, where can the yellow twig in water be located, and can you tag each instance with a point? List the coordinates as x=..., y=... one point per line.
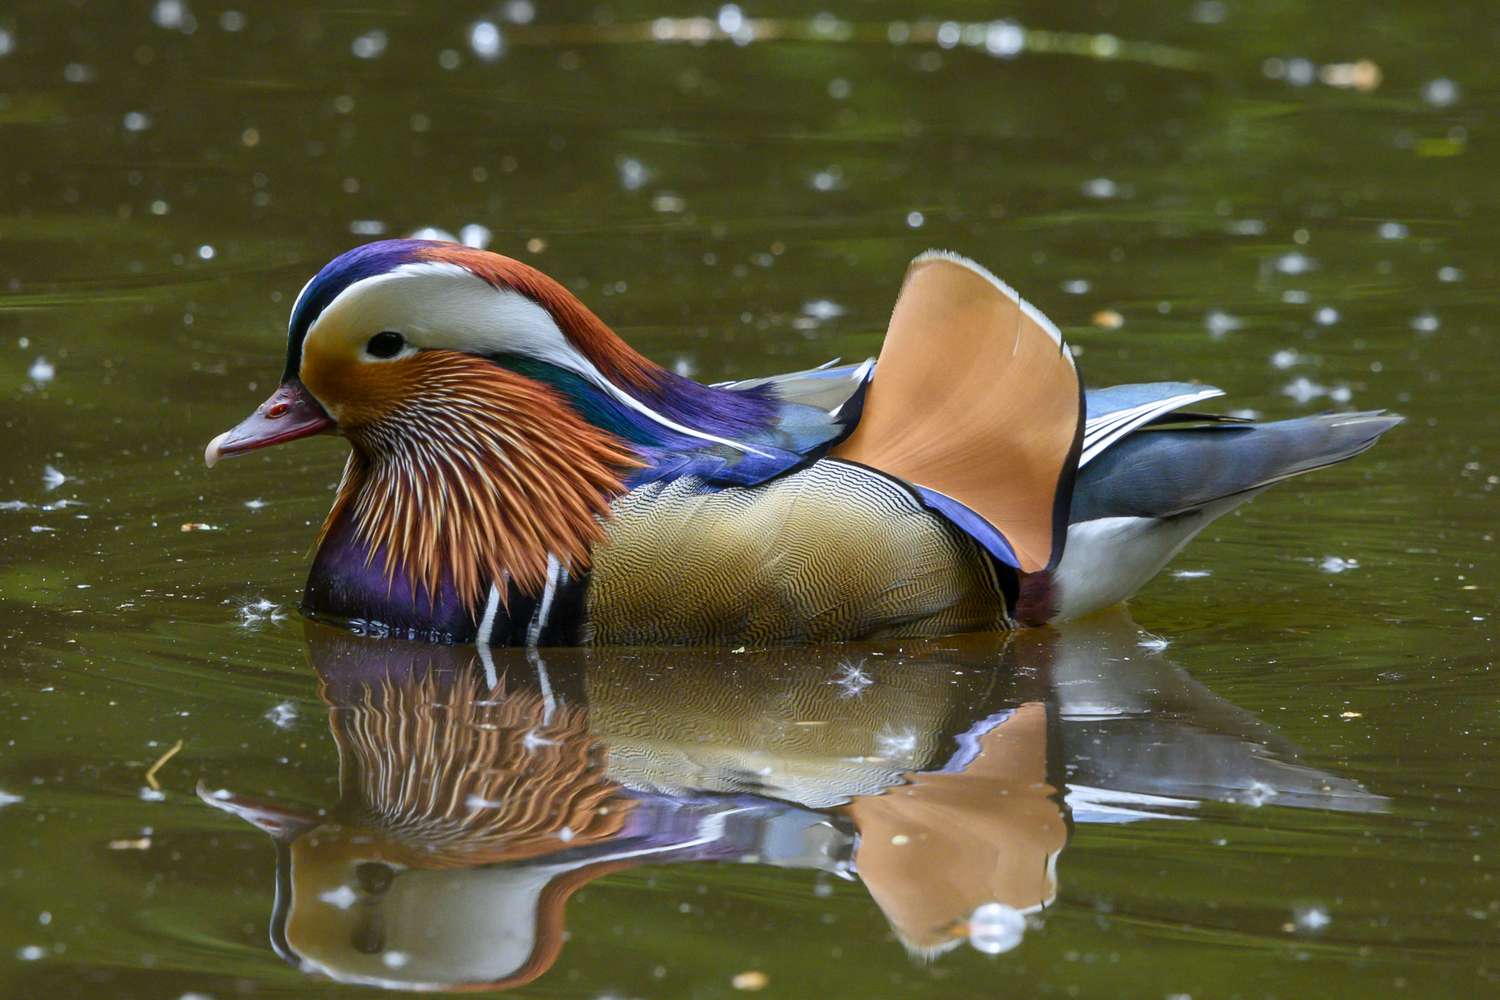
x=151, y=773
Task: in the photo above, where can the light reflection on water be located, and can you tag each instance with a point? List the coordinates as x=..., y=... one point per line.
x=478, y=792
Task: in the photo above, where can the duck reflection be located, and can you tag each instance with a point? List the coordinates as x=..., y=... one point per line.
x=478, y=793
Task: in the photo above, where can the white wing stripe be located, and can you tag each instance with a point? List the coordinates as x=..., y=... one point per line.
x=1103, y=431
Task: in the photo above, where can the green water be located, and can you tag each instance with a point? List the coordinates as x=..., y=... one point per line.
x=1278, y=779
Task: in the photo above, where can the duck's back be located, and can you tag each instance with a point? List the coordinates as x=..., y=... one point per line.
x=833, y=551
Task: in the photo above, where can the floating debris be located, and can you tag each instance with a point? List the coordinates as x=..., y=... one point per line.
x=283, y=715
x=1351, y=715
x=131, y=844
x=995, y=928
x=852, y=678
x=255, y=504
x=1192, y=574
x=1363, y=75
x=1312, y=918
x=341, y=898
x=259, y=611
x=151, y=771
x=1107, y=319
x=750, y=980
x=7, y=799
x=199, y=526
x=1338, y=564
x=52, y=478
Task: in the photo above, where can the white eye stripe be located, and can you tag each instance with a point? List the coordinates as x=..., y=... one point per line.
x=437, y=305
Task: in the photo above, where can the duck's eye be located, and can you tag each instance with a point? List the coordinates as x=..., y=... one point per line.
x=385, y=345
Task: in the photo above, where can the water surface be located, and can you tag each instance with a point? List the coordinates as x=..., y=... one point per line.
x=1277, y=777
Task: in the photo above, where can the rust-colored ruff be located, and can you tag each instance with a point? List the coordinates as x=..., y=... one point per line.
x=462, y=467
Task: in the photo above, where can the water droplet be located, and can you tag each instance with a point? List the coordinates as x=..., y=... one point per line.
x=915, y=220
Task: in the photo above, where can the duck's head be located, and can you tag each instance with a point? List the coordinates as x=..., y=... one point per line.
x=474, y=390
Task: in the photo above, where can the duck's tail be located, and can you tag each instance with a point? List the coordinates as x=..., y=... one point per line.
x=976, y=402
x=1140, y=502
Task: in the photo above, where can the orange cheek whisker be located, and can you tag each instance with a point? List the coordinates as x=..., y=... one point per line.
x=469, y=472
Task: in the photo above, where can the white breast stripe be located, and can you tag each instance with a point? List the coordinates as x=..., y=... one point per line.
x=1103, y=431
x=544, y=607
x=549, y=702
x=487, y=623
x=491, y=679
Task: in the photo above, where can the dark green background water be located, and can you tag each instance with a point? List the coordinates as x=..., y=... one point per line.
x=168, y=181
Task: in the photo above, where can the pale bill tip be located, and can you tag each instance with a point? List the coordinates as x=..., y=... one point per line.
x=212, y=453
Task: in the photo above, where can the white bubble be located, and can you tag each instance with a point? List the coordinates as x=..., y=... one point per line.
x=367, y=227
x=995, y=928
x=1004, y=39
x=486, y=40
x=136, y=121
x=822, y=309
x=519, y=11
x=475, y=235
x=1449, y=275
x=7, y=42
x=1295, y=263
x=1210, y=12
x=30, y=952
x=1286, y=358
x=1337, y=564
x=731, y=18
x=1392, y=231
x=633, y=173
x=1425, y=322
x=831, y=179
x=7, y=799
x=206, y=252
x=370, y=45
x=41, y=371
x=915, y=219
x=1300, y=72
x=174, y=15
x=1100, y=187
x=1441, y=93
x=1326, y=316
x=1076, y=286
x=1220, y=323
x=231, y=21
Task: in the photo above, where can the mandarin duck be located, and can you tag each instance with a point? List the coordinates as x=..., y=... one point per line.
x=519, y=475
x=479, y=790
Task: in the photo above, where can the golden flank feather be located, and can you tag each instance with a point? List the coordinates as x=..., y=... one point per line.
x=976, y=397
x=461, y=467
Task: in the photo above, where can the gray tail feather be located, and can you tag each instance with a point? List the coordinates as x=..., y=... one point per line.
x=1162, y=472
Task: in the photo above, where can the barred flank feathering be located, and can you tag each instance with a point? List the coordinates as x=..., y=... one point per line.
x=460, y=776
x=477, y=472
